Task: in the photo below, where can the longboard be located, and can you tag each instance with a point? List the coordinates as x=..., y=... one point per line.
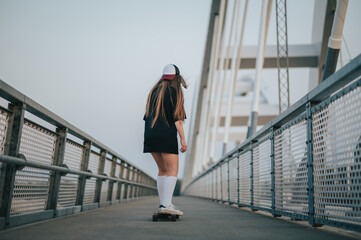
x=165, y=216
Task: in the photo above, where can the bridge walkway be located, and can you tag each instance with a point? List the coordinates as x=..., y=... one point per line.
x=203, y=219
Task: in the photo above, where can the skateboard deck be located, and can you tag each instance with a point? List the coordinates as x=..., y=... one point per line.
x=165, y=216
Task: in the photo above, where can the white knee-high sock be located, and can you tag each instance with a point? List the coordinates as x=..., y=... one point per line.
x=160, y=187
x=169, y=185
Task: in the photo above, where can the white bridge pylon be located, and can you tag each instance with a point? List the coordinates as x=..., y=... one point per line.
x=222, y=109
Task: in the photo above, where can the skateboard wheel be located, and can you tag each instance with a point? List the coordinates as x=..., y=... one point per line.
x=173, y=218
x=155, y=218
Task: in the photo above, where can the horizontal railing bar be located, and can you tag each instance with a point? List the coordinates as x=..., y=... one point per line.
x=336, y=96
x=34, y=164
x=12, y=95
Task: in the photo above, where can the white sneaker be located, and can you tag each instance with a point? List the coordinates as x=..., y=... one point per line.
x=171, y=209
x=161, y=207
x=180, y=212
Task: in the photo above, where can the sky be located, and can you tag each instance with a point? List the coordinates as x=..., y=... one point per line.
x=94, y=62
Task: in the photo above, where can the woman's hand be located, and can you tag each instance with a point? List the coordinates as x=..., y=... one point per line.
x=184, y=146
x=179, y=126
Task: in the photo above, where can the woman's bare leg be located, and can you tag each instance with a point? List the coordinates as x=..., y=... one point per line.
x=171, y=163
x=162, y=175
x=162, y=169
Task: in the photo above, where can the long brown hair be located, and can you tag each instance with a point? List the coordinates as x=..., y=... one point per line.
x=162, y=85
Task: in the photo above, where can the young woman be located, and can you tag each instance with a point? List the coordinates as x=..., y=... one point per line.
x=164, y=117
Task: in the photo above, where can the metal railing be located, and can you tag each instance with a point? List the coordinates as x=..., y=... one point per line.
x=305, y=164
x=50, y=168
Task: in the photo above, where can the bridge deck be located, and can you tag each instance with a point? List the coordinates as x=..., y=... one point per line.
x=203, y=219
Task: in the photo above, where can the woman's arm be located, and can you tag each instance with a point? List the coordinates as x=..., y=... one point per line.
x=179, y=126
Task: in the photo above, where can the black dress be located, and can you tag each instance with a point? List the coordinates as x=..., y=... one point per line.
x=162, y=137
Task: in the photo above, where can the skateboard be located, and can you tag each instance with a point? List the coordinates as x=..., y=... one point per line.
x=165, y=216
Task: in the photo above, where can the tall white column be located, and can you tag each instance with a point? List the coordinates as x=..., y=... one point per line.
x=265, y=16
x=225, y=54
x=207, y=93
x=212, y=88
x=236, y=60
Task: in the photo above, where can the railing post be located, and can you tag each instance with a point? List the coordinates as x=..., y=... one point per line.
x=135, y=177
x=238, y=154
x=137, y=192
x=98, y=187
x=84, y=167
x=216, y=193
x=221, y=176
x=251, y=166
x=132, y=187
x=273, y=172
x=119, y=190
x=56, y=176
x=229, y=194
x=127, y=174
x=310, y=189
x=213, y=184
x=146, y=191
x=141, y=189
x=273, y=184
x=12, y=146
x=111, y=182
x=135, y=180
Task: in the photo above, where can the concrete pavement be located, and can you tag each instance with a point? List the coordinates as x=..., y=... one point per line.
x=203, y=219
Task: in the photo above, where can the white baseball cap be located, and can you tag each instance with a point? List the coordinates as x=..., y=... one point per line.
x=170, y=71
